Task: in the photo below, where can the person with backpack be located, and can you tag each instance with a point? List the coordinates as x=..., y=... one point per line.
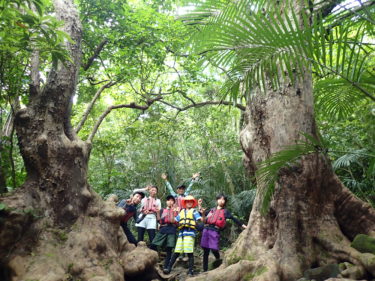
x=130, y=207
x=187, y=220
x=147, y=219
x=215, y=222
x=181, y=190
x=167, y=231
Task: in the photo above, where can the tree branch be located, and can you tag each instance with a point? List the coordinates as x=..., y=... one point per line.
x=352, y=12
x=200, y=104
x=34, y=73
x=109, y=109
x=91, y=105
x=95, y=55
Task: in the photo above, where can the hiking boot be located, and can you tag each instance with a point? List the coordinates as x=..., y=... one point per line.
x=167, y=270
x=216, y=263
x=191, y=272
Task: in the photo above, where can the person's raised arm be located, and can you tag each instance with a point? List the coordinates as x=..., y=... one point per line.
x=145, y=189
x=194, y=178
x=168, y=185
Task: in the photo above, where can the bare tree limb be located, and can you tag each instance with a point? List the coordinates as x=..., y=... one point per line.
x=34, y=73
x=91, y=105
x=95, y=55
x=200, y=104
x=356, y=11
x=352, y=11
x=93, y=83
x=109, y=109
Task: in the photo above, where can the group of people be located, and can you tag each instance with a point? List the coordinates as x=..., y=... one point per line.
x=180, y=217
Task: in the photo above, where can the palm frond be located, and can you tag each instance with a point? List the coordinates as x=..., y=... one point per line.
x=268, y=170
x=263, y=45
x=336, y=98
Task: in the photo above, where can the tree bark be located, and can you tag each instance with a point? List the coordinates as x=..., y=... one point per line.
x=312, y=216
x=54, y=226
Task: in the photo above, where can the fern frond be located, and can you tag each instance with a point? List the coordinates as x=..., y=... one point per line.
x=351, y=157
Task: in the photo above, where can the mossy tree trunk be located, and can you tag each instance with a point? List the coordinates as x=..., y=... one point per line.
x=54, y=226
x=312, y=217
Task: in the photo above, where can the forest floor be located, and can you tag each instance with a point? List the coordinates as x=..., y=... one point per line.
x=180, y=268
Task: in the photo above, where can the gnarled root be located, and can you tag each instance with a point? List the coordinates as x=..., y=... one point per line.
x=94, y=248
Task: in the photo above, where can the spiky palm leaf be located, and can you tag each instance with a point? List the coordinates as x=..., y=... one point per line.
x=258, y=43
x=336, y=98
x=262, y=45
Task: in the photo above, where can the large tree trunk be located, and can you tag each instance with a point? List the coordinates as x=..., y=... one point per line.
x=312, y=217
x=55, y=227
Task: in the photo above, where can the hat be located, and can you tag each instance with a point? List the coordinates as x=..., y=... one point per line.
x=189, y=198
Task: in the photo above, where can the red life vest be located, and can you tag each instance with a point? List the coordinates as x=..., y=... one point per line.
x=150, y=205
x=127, y=216
x=216, y=217
x=167, y=217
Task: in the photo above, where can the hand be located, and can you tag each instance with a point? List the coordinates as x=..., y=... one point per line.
x=176, y=209
x=196, y=175
x=200, y=201
x=244, y=226
x=164, y=176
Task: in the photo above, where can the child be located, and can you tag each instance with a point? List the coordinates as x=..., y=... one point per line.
x=149, y=206
x=187, y=219
x=167, y=232
x=130, y=207
x=182, y=191
x=215, y=221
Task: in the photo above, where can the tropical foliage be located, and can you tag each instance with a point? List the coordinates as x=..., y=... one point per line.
x=237, y=50
x=260, y=44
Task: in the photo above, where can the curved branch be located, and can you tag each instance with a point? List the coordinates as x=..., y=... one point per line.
x=91, y=105
x=239, y=106
x=95, y=55
x=109, y=109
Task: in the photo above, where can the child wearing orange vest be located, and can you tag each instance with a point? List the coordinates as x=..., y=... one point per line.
x=215, y=222
x=187, y=219
x=167, y=231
